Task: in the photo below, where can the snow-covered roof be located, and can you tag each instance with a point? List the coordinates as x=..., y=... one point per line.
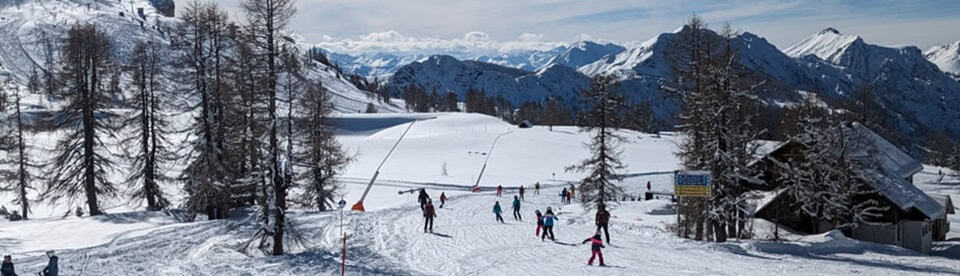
x=944, y=201
x=905, y=195
x=890, y=180
x=892, y=158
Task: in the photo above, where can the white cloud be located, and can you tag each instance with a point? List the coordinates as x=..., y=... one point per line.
x=476, y=36
x=528, y=37
x=472, y=43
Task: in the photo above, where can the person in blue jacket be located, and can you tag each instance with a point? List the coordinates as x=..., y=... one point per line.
x=516, y=209
x=497, y=211
x=548, y=220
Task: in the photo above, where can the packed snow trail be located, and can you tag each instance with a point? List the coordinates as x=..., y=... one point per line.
x=467, y=241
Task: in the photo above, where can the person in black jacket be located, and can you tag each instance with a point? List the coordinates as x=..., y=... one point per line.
x=422, y=198
x=7, y=268
x=603, y=221
x=52, y=268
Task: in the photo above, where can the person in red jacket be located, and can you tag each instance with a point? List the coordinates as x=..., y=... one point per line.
x=595, y=245
x=602, y=221
x=428, y=214
x=539, y=222
x=499, y=190
x=443, y=199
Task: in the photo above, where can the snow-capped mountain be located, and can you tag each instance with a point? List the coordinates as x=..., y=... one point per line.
x=446, y=73
x=32, y=31
x=384, y=64
x=833, y=65
x=584, y=52
x=915, y=92
x=947, y=57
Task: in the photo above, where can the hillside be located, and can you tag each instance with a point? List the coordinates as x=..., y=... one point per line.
x=388, y=240
x=33, y=33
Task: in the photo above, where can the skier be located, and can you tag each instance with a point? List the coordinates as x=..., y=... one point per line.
x=443, y=199
x=571, y=194
x=521, y=192
x=51, y=269
x=516, y=209
x=428, y=214
x=422, y=198
x=595, y=245
x=539, y=222
x=648, y=185
x=497, y=211
x=603, y=220
x=536, y=188
x=7, y=268
x=548, y=220
x=563, y=196
x=499, y=190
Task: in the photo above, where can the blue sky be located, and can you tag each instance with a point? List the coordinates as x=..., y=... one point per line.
x=533, y=23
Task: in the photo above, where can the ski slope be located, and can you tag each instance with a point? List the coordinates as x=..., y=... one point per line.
x=466, y=241
x=462, y=143
x=389, y=238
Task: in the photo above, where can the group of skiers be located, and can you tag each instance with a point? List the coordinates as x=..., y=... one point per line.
x=6, y=269
x=545, y=221
x=567, y=195
x=429, y=213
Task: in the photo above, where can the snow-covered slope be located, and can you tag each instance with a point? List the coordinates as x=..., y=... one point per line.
x=446, y=73
x=25, y=28
x=947, y=57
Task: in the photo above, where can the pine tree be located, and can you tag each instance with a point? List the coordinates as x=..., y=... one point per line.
x=268, y=18
x=319, y=154
x=598, y=188
x=16, y=171
x=717, y=117
x=200, y=44
x=151, y=128
x=82, y=164
x=827, y=176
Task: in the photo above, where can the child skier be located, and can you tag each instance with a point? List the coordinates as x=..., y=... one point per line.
x=443, y=199
x=572, y=194
x=536, y=188
x=499, y=190
x=516, y=209
x=497, y=211
x=595, y=245
x=539, y=222
x=548, y=220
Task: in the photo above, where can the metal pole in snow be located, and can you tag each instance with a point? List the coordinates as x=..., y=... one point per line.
x=489, y=153
x=359, y=205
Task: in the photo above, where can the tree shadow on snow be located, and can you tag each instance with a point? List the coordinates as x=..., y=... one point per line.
x=948, y=249
x=8, y=243
x=372, y=263
x=829, y=253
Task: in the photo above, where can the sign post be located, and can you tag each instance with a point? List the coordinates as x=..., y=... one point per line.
x=690, y=184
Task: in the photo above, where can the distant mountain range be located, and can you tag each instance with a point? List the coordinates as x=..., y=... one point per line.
x=912, y=86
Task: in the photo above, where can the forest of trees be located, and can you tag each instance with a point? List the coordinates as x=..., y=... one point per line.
x=259, y=121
